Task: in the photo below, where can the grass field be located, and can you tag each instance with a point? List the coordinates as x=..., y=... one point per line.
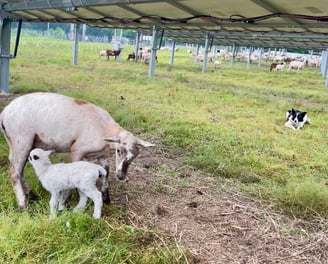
x=228, y=122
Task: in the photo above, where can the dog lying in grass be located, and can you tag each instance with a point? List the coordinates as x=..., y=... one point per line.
x=296, y=119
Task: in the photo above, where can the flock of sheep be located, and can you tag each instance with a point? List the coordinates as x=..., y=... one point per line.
x=280, y=61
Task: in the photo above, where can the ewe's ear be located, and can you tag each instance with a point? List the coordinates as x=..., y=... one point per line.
x=143, y=143
x=113, y=140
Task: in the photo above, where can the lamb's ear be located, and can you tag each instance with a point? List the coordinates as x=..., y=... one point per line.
x=113, y=140
x=144, y=143
x=49, y=152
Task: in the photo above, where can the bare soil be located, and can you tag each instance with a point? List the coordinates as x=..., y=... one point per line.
x=209, y=216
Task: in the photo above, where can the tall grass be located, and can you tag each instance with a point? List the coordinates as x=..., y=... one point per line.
x=227, y=122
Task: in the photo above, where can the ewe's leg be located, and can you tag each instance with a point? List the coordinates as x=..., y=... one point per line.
x=95, y=196
x=16, y=182
x=82, y=202
x=105, y=192
x=18, y=159
x=53, y=205
x=27, y=191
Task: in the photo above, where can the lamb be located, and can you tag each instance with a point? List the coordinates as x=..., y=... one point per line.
x=280, y=67
x=60, y=177
x=217, y=64
x=64, y=124
x=102, y=53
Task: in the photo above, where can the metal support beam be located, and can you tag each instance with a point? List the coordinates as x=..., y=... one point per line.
x=151, y=70
x=324, y=63
x=196, y=54
x=5, y=56
x=172, y=53
x=250, y=51
x=136, y=50
x=76, y=43
x=325, y=67
x=260, y=57
x=207, y=40
x=234, y=53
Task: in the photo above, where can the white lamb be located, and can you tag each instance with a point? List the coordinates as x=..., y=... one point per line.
x=62, y=177
x=280, y=67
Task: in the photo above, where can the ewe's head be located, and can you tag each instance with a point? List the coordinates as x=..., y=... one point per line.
x=39, y=156
x=126, y=150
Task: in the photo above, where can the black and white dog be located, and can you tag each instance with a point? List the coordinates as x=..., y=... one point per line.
x=296, y=119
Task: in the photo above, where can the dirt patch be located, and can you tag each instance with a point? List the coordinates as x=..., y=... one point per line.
x=216, y=222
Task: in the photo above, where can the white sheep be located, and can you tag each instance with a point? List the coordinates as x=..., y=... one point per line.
x=64, y=124
x=61, y=177
x=296, y=65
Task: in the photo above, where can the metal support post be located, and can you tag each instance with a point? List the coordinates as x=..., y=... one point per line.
x=172, y=52
x=76, y=43
x=5, y=56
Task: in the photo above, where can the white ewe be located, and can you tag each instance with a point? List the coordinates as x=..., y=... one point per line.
x=62, y=177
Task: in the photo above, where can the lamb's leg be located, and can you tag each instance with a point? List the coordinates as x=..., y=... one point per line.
x=95, y=196
x=63, y=196
x=77, y=153
x=105, y=192
x=82, y=202
x=53, y=204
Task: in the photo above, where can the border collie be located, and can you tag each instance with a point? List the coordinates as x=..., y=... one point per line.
x=296, y=119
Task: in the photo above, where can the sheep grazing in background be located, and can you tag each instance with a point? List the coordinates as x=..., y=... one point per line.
x=102, y=53
x=64, y=124
x=298, y=65
x=131, y=56
x=109, y=53
x=200, y=58
x=273, y=66
x=114, y=53
x=60, y=177
x=146, y=56
x=280, y=67
x=314, y=61
x=217, y=64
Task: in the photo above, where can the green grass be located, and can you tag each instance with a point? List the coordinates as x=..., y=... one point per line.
x=228, y=122
x=79, y=239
